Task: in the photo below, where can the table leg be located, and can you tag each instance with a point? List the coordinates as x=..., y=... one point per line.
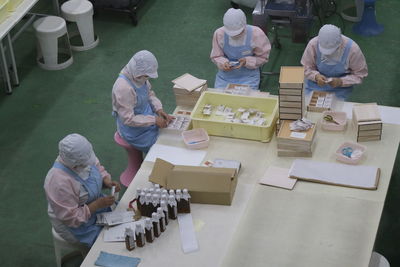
x=5, y=68
x=56, y=6
x=12, y=57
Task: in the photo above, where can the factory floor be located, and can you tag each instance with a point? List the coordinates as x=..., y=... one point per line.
x=48, y=105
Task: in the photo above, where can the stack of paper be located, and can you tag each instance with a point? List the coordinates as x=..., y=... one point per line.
x=291, y=93
x=365, y=177
x=115, y=217
x=295, y=144
x=367, y=119
x=187, y=89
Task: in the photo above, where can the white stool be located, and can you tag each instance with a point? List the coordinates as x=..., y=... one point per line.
x=52, y=54
x=61, y=245
x=377, y=260
x=81, y=12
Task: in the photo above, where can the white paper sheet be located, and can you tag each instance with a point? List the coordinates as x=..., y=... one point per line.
x=334, y=173
x=117, y=233
x=188, y=236
x=278, y=177
x=176, y=155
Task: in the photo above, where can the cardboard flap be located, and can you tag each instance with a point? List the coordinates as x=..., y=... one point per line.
x=201, y=178
x=160, y=172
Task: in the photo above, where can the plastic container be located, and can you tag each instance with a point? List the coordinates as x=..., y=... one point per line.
x=354, y=146
x=3, y=10
x=338, y=116
x=216, y=125
x=196, y=138
x=13, y=4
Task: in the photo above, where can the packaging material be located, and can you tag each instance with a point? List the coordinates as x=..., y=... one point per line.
x=367, y=121
x=291, y=77
x=218, y=125
x=187, y=89
x=295, y=144
x=291, y=93
x=206, y=185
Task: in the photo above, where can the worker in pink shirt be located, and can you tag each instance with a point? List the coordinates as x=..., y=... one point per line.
x=138, y=112
x=333, y=63
x=239, y=50
x=73, y=190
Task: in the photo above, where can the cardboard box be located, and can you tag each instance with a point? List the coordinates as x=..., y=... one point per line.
x=206, y=185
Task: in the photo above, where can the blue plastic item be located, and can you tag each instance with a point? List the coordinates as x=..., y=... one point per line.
x=368, y=25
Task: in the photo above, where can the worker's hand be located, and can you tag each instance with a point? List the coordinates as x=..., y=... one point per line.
x=227, y=67
x=242, y=62
x=104, y=202
x=336, y=82
x=160, y=122
x=320, y=79
x=110, y=184
x=165, y=116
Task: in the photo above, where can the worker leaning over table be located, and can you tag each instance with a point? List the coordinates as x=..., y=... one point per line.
x=238, y=42
x=333, y=62
x=137, y=110
x=73, y=189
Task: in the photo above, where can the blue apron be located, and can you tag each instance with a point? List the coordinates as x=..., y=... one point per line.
x=242, y=75
x=141, y=138
x=335, y=70
x=87, y=232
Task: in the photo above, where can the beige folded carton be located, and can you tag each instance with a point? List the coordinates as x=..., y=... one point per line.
x=206, y=185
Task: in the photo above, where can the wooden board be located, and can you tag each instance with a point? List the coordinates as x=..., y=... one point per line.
x=290, y=116
x=291, y=91
x=286, y=135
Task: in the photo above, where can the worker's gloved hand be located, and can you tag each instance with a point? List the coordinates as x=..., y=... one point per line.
x=336, y=82
x=160, y=122
x=320, y=79
x=242, y=62
x=165, y=116
x=227, y=66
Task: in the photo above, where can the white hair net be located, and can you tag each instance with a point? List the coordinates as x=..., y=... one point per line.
x=234, y=21
x=143, y=63
x=76, y=150
x=329, y=39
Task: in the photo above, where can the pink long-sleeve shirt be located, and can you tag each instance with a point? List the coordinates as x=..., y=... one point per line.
x=124, y=101
x=66, y=197
x=259, y=43
x=356, y=64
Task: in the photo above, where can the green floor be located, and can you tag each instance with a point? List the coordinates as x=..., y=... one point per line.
x=50, y=104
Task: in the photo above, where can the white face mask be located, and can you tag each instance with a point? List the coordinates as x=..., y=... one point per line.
x=141, y=79
x=83, y=171
x=333, y=58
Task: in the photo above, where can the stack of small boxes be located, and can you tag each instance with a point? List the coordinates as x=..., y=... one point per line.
x=295, y=144
x=187, y=90
x=367, y=121
x=291, y=93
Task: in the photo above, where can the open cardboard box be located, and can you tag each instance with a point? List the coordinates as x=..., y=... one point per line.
x=206, y=185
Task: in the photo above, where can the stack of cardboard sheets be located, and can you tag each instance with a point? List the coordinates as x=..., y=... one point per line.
x=187, y=89
x=295, y=144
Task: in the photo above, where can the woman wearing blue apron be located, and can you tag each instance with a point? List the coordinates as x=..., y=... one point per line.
x=239, y=50
x=137, y=110
x=73, y=189
x=333, y=63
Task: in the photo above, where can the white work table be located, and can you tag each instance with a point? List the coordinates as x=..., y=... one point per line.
x=312, y=225
x=5, y=27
